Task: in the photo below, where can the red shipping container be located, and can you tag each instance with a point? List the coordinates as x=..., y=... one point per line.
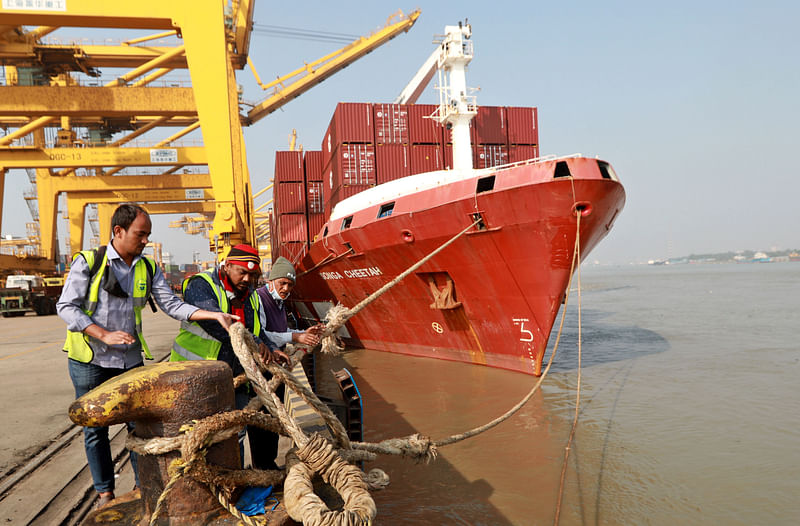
x=351, y=122
x=290, y=198
x=422, y=130
x=391, y=123
x=315, y=197
x=426, y=158
x=291, y=250
x=292, y=227
x=523, y=125
x=289, y=166
x=392, y=162
x=489, y=126
x=313, y=165
x=351, y=164
x=447, y=155
x=489, y=155
x=522, y=152
x=315, y=224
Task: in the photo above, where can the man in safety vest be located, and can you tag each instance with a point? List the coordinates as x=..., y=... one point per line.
x=230, y=288
x=102, y=302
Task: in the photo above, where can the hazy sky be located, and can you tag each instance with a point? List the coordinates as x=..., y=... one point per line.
x=695, y=104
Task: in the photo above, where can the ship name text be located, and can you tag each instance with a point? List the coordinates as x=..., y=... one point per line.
x=366, y=272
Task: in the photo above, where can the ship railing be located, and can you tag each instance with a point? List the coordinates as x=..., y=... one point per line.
x=535, y=160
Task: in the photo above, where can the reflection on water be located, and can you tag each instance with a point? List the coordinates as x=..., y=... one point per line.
x=688, y=411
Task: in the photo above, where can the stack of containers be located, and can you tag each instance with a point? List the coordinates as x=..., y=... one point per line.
x=348, y=153
x=290, y=205
x=427, y=138
x=391, y=141
x=523, y=133
x=315, y=193
x=489, y=137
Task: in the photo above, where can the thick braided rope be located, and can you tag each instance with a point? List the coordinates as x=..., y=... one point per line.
x=315, y=452
x=198, y=438
x=339, y=314
x=334, y=424
x=305, y=506
x=233, y=510
x=161, y=445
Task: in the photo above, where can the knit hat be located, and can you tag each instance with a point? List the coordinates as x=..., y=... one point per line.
x=244, y=256
x=282, y=268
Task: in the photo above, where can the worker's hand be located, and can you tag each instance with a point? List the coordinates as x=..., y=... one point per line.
x=117, y=338
x=317, y=329
x=281, y=358
x=264, y=353
x=225, y=319
x=306, y=338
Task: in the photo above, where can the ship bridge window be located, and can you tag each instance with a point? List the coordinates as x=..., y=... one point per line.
x=485, y=184
x=386, y=210
x=562, y=170
x=606, y=171
x=346, y=222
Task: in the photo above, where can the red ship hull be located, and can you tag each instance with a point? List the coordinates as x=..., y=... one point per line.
x=491, y=297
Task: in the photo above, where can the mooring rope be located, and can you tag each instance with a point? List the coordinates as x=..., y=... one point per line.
x=339, y=314
x=577, y=255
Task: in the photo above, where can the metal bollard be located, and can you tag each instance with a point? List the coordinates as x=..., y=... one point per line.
x=160, y=399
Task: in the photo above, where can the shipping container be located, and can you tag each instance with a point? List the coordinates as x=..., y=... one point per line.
x=422, y=130
x=522, y=152
x=391, y=123
x=351, y=164
x=426, y=158
x=289, y=166
x=489, y=126
x=447, y=156
x=489, y=155
x=392, y=162
x=523, y=125
x=312, y=161
x=291, y=250
x=292, y=227
x=290, y=198
x=315, y=197
x=315, y=224
x=351, y=122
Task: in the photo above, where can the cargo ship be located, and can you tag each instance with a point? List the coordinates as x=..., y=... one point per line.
x=371, y=209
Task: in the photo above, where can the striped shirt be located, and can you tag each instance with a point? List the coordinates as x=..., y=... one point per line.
x=114, y=313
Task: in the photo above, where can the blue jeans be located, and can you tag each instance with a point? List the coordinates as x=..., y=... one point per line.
x=85, y=377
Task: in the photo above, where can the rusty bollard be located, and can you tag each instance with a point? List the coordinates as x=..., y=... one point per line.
x=160, y=399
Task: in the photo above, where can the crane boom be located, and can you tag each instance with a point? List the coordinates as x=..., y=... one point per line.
x=316, y=72
x=419, y=81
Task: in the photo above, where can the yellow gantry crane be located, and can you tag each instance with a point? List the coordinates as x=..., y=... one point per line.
x=77, y=131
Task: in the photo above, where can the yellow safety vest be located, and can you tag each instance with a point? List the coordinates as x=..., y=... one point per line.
x=194, y=343
x=77, y=343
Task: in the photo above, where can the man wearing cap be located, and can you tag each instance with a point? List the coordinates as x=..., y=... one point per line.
x=282, y=278
x=230, y=288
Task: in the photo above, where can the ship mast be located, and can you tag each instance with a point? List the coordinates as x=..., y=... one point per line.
x=456, y=108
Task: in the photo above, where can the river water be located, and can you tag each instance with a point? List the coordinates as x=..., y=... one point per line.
x=688, y=413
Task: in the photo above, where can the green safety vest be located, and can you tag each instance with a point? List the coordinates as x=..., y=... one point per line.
x=194, y=343
x=77, y=344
